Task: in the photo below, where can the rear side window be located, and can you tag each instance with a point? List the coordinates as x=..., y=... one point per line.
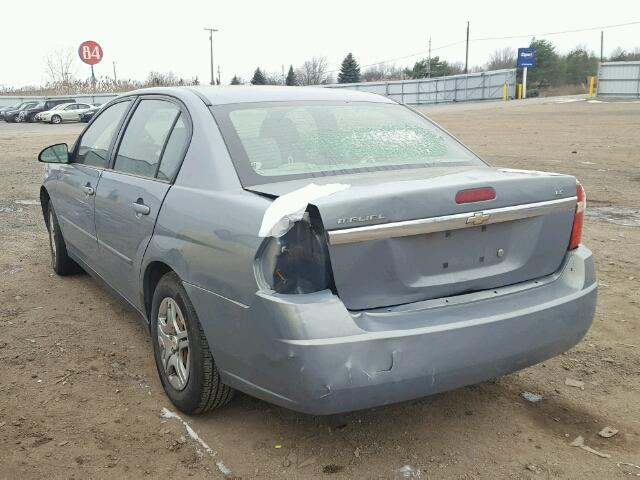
x=145, y=138
x=94, y=144
x=174, y=150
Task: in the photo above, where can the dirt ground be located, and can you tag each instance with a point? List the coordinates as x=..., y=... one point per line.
x=80, y=397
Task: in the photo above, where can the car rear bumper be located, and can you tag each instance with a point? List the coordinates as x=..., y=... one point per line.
x=310, y=354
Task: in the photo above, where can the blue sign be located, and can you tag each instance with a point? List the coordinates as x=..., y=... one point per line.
x=526, y=57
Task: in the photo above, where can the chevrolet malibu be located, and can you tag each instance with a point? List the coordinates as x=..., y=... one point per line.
x=325, y=250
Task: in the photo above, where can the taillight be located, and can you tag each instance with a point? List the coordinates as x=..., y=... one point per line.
x=475, y=195
x=297, y=262
x=578, y=218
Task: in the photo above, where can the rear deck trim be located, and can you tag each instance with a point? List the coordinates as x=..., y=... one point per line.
x=449, y=222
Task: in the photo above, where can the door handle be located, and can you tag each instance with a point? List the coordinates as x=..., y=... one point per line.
x=140, y=208
x=88, y=190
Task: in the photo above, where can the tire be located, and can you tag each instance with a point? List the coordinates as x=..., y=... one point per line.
x=199, y=388
x=15, y=119
x=60, y=261
x=56, y=119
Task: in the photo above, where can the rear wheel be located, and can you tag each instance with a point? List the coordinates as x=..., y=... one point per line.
x=186, y=367
x=60, y=261
x=56, y=119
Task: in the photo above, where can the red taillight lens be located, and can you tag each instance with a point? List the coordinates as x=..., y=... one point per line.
x=475, y=195
x=578, y=218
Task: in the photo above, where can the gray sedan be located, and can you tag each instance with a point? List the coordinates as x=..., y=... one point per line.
x=325, y=250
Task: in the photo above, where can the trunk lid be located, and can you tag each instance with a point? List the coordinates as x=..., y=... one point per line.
x=399, y=237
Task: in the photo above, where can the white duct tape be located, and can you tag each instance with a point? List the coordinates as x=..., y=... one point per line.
x=289, y=208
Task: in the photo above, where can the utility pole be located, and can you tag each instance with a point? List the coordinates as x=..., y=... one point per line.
x=218, y=74
x=466, y=57
x=283, y=82
x=115, y=77
x=601, y=45
x=211, y=31
x=429, y=60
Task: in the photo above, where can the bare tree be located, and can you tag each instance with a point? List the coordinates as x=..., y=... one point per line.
x=382, y=72
x=160, y=79
x=619, y=54
x=313, y=72
x=502, y=58
x=60, y=67
x=273, y=78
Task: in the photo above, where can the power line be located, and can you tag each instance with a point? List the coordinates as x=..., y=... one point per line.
x=482, y=39
x=606, y=27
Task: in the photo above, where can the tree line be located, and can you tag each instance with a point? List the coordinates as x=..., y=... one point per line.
x=553, y=69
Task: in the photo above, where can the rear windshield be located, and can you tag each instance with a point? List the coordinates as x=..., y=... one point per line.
x=275, y=141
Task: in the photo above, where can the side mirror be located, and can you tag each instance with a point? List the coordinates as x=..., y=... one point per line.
x=58, y=153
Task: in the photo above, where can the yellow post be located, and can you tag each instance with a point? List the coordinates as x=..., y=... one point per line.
x=504, y=92
x=592, y=82
x=519, y=91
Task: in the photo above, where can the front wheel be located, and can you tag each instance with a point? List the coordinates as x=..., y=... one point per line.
x=56, y=119
x=186, y=367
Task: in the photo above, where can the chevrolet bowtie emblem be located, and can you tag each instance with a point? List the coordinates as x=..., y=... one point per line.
x=478, y=218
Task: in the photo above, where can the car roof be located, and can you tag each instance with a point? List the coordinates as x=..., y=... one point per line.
x=223, y=95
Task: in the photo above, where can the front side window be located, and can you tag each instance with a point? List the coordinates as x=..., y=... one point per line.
x=145, y=137
x=95, y=143
x=275, y=141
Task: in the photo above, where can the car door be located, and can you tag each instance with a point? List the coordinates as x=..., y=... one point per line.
x=81, y=108
x=74, y=195
x=74, y=112
x=131, y=193
x=70, y=112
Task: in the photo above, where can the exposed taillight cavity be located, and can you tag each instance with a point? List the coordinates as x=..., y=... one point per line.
x=296, y=263
x=578, y=218
x=473, y=195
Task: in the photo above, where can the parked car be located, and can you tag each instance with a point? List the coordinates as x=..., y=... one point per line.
x=325, y=250
x=12, y=114
x=2, y=110
x=67, y=112
x=29, y=114
x=38, y=117
x=89, y=114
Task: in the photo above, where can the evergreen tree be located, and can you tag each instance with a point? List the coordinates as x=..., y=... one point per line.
x=291, y=77
x=549, y=67
x=579, y=64
x=258, y=78
x=439, y=68
x=235, y=80
x=349, y=70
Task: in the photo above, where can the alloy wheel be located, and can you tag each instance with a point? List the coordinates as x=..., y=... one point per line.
x=173, y=343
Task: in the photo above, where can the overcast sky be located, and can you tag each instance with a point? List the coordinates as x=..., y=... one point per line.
x=142, y=35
